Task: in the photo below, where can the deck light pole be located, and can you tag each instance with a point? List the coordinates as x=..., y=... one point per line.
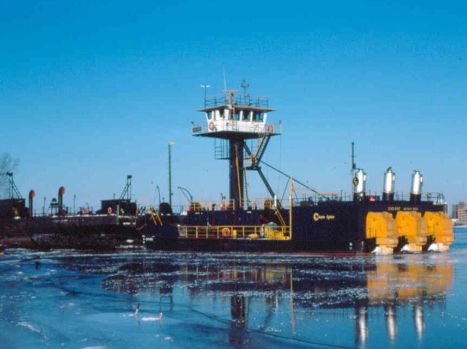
x=170, y=172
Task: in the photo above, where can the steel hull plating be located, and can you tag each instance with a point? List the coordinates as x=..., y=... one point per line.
x=97, y=233
x=327, y=226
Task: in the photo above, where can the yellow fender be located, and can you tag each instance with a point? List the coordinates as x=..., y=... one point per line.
x=439, y=227
x=413, y=227
x=381, y=226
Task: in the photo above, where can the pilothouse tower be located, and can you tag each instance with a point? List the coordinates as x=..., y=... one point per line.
x=233, y=120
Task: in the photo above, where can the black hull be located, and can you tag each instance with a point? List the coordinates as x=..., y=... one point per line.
x=242, y=245
x=182, y=244
x=327, y=226
x=85, y=233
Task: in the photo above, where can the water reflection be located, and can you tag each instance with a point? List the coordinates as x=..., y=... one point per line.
x=237, y=311
x=292, y=289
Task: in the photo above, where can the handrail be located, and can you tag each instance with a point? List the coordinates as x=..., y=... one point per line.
x=235, y=232
x=230, y=204
x=259, y=102
x=313, y=199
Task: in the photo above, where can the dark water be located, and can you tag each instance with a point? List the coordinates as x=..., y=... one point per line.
x=66, y=299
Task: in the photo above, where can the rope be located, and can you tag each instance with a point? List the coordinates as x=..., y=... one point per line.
x=295, y=180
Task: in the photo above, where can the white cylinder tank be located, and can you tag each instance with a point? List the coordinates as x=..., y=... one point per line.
x=359, y=183
x=389, y=181
x=417, y=182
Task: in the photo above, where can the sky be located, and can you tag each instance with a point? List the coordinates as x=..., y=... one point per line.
x=91, y=91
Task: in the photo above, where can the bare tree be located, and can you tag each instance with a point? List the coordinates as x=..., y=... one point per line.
x=7, y=164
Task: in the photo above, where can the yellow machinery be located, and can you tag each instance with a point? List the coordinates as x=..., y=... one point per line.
x=412, y=227
x=439, y=227
x=155, y=216
x=274, y=233
x=382, y=227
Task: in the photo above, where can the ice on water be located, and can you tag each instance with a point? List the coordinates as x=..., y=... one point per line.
x=70, y=299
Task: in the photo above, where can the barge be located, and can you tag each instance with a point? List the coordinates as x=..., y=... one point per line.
x=305, y=221
x=312, y=221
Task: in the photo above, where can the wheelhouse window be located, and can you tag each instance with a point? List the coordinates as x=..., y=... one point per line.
x=209, y=114
x=245, y=115
x=260, y=117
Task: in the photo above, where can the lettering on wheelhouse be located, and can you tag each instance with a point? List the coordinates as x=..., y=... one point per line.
x=325, y=217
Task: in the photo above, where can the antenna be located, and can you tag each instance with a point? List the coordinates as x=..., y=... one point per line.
x=225, y=79
x=244, y=85
x=354, y=165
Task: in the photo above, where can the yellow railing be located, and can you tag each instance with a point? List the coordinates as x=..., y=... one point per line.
x=235, y=232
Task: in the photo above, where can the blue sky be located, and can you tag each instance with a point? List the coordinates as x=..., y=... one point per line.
x=93, y=90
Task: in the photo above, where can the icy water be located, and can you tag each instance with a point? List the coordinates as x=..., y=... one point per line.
x=66, y=299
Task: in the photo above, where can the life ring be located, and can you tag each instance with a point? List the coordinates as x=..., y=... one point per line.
x=109, y=210
x=270, y=128
x=211, y=126
x=225, y=232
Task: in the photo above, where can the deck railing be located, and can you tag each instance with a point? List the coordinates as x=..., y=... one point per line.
x=235, y=232
x=229, y=205
x=312, y=199
x=214, y=101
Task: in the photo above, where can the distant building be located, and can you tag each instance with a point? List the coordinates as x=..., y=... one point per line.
x=459, y=212
x=454, y=211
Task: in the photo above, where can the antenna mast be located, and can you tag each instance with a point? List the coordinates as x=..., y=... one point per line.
x=225, y=79
x=244, y=85
x=354, y=165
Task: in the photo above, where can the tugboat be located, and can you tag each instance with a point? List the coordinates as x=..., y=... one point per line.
x=314, y=221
